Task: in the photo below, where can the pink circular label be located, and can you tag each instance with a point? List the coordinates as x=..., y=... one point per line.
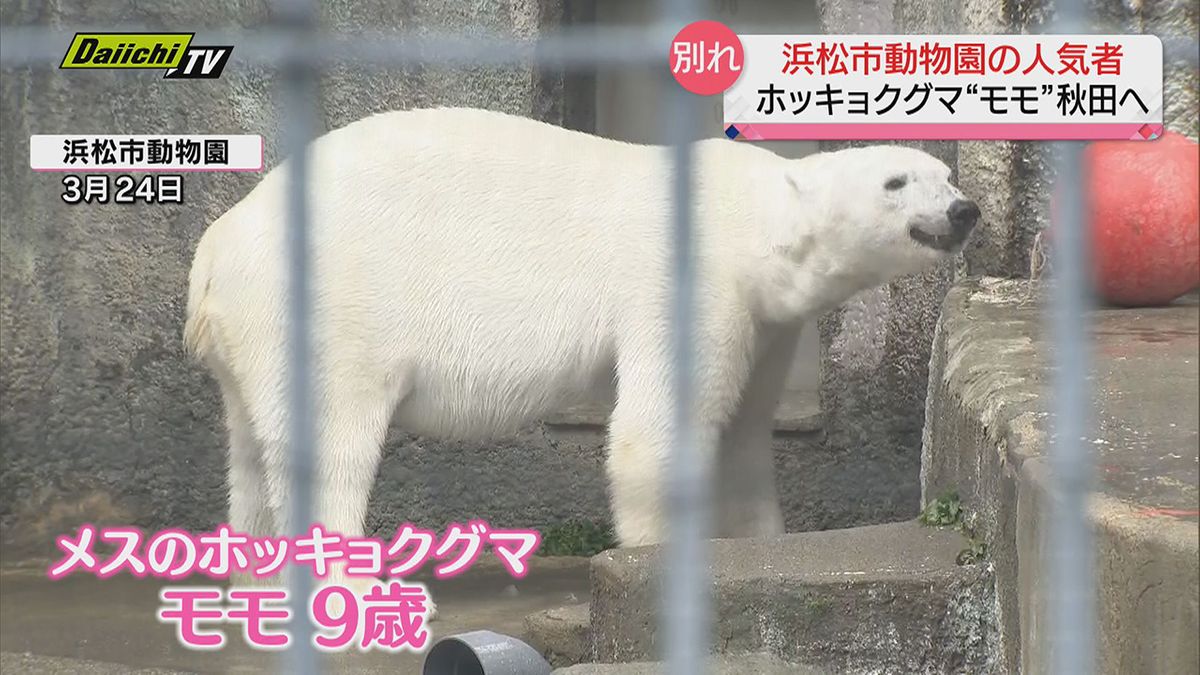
x=706, y=57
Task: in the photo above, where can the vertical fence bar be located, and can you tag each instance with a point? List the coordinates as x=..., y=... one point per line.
x=685, y=601
x=298, y=98
x=1070, y=548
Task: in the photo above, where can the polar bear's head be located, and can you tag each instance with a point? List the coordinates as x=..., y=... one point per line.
x=886, y=211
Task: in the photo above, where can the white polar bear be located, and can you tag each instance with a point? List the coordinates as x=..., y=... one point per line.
x=474, y=270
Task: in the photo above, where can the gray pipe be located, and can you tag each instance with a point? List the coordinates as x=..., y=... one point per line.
x=483, y=652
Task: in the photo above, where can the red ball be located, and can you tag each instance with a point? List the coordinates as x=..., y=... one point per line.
x=1144, y=210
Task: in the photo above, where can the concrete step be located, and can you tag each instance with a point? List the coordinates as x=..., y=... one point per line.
x=36, y=664
x=887, y=598
x=988, y=431
x=563, y=635
x=728, y=664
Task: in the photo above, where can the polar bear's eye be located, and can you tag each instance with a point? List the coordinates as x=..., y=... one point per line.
x=895, y=183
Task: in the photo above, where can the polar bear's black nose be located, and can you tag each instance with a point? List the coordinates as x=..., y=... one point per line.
x=963, y=215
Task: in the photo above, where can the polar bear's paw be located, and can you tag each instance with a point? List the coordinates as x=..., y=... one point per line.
x=431, y=613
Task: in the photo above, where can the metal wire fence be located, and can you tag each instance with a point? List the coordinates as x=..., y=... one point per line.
x=296, y=47
x=1069, y=562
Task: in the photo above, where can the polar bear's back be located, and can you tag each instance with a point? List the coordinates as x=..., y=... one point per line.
x=425, y=181
x=482, y=180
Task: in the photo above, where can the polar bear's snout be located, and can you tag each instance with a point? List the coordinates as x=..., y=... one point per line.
x=948, y=231
x=962, y=214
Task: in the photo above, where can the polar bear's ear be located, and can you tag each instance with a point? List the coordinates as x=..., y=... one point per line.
x=799, y=182
x=804, y=186
x=792, y=233
x=792, y=181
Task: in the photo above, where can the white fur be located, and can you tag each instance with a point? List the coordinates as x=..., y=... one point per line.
x=474, y=270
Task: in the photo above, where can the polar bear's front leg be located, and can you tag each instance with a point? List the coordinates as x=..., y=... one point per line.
x=640, y=431
x=638, y=457
x=747, y=500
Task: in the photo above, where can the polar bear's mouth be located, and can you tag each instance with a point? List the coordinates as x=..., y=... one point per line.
x=941, y=242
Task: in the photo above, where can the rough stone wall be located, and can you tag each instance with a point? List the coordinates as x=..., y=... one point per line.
x=876, y=347
x=103, y=419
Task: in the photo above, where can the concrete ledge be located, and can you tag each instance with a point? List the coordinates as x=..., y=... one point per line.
x=985, y=437
x=887, y=598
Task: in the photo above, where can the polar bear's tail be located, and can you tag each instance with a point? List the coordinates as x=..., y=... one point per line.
x=197, y=330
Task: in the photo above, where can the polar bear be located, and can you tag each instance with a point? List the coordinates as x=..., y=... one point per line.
x=474, y=270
